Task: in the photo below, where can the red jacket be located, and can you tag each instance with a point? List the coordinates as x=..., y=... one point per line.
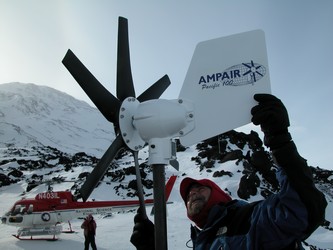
x=89, y=226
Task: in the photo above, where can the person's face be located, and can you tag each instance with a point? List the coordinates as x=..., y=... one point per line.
x=197, y=198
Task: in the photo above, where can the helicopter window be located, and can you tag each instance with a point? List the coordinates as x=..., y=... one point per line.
x=30, y=209
x=17, y=209
x=16, y=219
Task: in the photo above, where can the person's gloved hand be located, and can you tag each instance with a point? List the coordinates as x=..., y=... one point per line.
x=143, y=236
x=272, y=116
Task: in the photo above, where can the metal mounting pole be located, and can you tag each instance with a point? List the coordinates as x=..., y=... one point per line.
x=159, y=157
x=139, y=186
x=161, y=239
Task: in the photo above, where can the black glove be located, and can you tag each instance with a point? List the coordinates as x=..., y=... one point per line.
x=272, y=116
x=143, y=236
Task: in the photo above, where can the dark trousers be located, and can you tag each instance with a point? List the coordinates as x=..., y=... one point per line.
x=90, y=239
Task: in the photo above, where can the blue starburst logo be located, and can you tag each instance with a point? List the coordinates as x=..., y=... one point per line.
x=253, y=70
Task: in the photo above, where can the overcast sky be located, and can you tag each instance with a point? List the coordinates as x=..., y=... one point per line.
x=35, y=35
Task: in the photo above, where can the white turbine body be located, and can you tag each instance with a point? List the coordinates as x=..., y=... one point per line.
x=161, y=118
x=158, y=118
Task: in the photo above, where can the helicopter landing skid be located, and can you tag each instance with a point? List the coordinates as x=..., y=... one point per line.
x=54, y=238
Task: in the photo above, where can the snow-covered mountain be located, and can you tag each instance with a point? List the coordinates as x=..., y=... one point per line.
x=46, y=134
x=32, y=115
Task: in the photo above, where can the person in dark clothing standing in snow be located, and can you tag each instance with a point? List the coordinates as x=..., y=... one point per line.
x=281, y=221
x=89, y=230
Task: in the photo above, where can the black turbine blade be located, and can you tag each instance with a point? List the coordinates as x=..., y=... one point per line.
x=96, y=175
x=155, y=90
x=125, y=87
x=107, y=103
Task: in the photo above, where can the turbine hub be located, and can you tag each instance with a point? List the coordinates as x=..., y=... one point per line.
x=129, y=133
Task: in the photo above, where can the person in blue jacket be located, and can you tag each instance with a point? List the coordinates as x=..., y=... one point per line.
x=281, y=221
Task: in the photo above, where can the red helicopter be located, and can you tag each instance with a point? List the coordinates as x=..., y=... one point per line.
x=44, y=214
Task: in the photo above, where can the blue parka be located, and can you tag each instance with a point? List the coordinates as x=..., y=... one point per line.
x=281, y=221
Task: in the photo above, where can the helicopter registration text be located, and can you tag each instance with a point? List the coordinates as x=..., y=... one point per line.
x=49, y=195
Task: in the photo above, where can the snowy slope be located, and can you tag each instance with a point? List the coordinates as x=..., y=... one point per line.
x=34, y=115
x=59, y=121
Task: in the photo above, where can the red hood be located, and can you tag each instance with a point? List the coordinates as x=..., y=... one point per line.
x=217, y=196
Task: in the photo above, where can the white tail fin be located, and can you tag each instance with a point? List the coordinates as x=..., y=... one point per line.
x=222, y=78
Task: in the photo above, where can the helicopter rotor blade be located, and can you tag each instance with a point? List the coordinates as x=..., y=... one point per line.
x=107, y=103
x=96, y=175
x=125, y=87
x=155, y=90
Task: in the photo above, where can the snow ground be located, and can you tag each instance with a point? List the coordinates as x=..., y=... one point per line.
x=114, y=232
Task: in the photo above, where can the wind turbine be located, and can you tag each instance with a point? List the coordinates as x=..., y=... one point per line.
x=217, y=76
